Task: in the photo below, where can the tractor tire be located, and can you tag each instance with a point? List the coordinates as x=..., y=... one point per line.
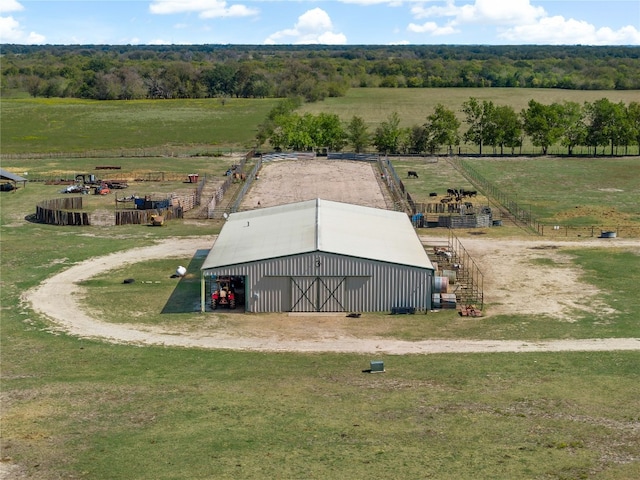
x=232, y=304
x=214, y=304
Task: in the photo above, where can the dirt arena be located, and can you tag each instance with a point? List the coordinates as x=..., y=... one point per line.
x=289, y=181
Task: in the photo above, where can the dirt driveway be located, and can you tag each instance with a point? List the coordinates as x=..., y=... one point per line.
x=512, y=283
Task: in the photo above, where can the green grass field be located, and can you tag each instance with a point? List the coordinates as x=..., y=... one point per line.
x=140, y=127
x=82, y=408
x=413, y=105
x=566, y=191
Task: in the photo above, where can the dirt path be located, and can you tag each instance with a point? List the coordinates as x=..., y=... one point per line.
x=514, y=282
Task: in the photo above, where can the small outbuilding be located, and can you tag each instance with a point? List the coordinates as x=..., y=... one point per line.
x=321, y=256
x=9, y=181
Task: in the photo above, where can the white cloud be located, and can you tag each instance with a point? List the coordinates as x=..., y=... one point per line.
x=205, y=8
x=7, y=6
x=10, y=29
x=517, y=21
x=392, y=3
x=499, y=12
x=432, y=28
x=494, y=12
x=313, y=27
x=560, y=31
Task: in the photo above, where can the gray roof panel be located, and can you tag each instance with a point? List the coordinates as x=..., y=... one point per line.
x=318, y=225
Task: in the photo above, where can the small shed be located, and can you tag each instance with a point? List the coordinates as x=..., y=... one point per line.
x=11, y=179
x=322, y=256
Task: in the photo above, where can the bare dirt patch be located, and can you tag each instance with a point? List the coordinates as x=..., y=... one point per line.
x=289, y=181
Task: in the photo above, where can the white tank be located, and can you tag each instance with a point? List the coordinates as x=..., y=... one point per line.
x=181, y=271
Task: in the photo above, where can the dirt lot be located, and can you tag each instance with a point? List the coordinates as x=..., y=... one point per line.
x=514, y=282
x=288, y=181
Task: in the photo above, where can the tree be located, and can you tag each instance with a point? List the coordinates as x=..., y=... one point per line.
x=328, y=132
x=542, y=124
x=417, y=139
x=33, y=84
x=357, y=134
x=220, y=80
x=441, y=129
x=607, y=124
x=477, y=117
x=574, y=131
x=386, y=138
x=299, y=133
x=508, y=127
x=270, y=129
x=633, y=115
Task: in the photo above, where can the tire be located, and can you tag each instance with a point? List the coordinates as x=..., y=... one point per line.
x=232, y=304
x=214, y=304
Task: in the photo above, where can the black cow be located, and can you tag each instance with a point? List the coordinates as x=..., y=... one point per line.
x=412, y=173
x=433, y=194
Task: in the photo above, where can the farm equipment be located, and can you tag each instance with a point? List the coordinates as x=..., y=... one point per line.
x=87, y=179
x=102, y=189
x=157, y=220
x=224, y=293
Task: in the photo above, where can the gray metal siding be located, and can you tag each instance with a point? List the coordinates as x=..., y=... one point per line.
x=369, y=285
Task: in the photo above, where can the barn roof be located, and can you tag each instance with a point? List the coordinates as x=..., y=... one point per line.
x=6, y=175
x=318, y=225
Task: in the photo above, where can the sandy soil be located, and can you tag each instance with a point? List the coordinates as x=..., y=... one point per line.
x=287, y=181
x=520, y=276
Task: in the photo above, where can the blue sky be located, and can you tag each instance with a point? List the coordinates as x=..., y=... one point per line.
x=344, y=22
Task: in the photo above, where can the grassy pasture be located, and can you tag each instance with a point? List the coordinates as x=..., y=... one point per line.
x=169, y=126
x=172, y=127
x=79, y=408
x=414, y=104
x=569, y=191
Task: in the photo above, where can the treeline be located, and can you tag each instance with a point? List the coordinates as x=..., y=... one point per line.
x=313, y=72
x=601, y=123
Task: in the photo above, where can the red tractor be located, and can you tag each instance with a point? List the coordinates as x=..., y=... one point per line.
x=223, y=294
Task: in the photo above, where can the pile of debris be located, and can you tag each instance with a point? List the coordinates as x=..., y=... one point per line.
x=470, y=311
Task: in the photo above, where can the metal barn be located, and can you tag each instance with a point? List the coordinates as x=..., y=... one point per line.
x=322, y=256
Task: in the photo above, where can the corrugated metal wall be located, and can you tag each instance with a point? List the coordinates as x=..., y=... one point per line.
x=327, y=282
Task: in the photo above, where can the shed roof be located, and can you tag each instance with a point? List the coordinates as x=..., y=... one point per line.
x=318, y=225
x=4, y=174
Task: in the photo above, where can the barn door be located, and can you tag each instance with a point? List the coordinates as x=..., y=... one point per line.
x=317, y=294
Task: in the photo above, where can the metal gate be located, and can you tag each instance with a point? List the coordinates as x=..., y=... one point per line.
x=317, y=294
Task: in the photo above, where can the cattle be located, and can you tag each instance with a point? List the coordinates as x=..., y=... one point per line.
x=411, y=174
x=451, y=192
x=240, y=176
x=433, y=194
x=446, y=200
x=443, y=252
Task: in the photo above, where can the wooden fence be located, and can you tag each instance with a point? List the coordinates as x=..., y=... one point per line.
x=62, y=211
x=143, y=217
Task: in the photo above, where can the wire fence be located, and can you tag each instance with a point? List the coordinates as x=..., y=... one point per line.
x=522, y=213
x=177, y=151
